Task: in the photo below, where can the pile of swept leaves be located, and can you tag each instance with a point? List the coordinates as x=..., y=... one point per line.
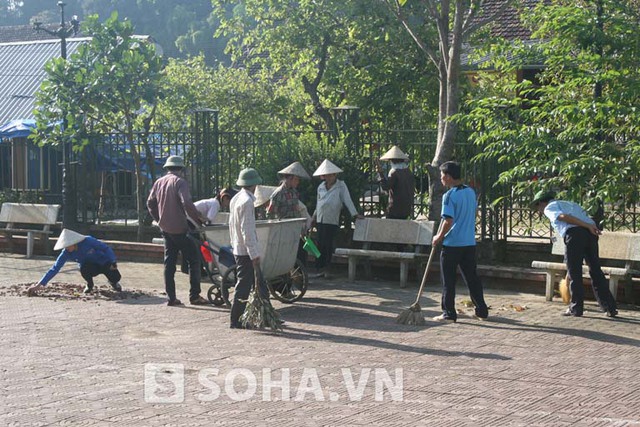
x=73, y=291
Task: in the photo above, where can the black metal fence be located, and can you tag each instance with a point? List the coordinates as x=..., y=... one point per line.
x=103, y=173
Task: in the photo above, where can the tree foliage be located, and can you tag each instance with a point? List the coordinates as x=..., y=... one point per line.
x=338, y=53
x=247, y=103
x=576, y=127
x=182, y=29
x=109, y=85
x=439, y=29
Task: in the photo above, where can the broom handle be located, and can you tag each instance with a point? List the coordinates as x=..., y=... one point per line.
x=426, y=270
x=257, y=278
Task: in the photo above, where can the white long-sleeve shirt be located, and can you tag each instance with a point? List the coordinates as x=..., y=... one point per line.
x=208, y=208
x=242, y=225
x=330, y=203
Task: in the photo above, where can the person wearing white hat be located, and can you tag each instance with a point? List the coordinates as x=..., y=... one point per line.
x=262, y=193
x=332, y=195
x=285, y=200
x=244, y=241
x=94, y=257
x=400, y=184
x=169, y=204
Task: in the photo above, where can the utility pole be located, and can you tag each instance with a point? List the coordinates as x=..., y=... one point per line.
x=69, y=199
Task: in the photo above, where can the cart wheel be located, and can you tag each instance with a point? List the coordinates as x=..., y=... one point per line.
x=215, y=296
x=292, y=286
x=227, y=284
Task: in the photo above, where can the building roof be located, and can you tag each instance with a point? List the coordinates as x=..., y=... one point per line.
x=507, y=24
x=22, y=72
x=23, y=54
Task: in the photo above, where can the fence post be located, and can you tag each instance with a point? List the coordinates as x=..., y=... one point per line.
x=207, y=159
x=347, y=123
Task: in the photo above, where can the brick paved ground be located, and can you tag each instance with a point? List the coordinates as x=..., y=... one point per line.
x=74, y=362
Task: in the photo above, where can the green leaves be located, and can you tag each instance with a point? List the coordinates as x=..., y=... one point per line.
x=348, y=52
x=576, y=125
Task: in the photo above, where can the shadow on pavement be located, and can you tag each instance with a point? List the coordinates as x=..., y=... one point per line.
x=517, y=325
x=350, y=318
x=384, y=306
x=302, y=334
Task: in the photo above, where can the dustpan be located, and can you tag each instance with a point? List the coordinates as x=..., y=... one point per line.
x=310, y=247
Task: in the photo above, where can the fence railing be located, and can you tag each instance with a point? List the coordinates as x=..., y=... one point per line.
x=103, y=174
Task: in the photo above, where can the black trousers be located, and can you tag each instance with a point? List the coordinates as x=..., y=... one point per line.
x=245, y=278
x=581, y=245
x=465, y=257
x=174, y=243
x=326, y=235
x=89, y=270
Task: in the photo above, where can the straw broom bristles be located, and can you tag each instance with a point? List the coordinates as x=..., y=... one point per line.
x=413, y=315
x=259, y=313
x=565, y=293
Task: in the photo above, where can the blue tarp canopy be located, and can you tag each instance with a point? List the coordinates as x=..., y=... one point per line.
x=111, y=158
x=17, y=128
x=116, y=157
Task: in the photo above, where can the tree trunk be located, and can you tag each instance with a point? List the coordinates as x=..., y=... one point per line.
x=311, y=87
x=103, y=184
x=449, y=101
x=447, y=130
x=140, y=202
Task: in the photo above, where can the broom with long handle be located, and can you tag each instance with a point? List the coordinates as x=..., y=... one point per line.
x=413, y=315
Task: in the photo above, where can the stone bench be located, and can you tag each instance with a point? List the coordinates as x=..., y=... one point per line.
x=30, y=219
x=389, y=231
x=618, y=246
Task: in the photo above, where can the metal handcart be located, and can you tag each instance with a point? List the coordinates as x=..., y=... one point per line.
x=285, y=275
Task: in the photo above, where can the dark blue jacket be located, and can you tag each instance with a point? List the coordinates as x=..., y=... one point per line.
x=89, y=250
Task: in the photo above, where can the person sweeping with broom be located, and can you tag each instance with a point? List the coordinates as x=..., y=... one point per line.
x=246, y=251
x=458, y=237
x=457, y=234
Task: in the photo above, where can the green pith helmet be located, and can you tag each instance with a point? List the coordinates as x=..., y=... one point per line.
x=248, y=177
x=174, y=162
x=542, y=196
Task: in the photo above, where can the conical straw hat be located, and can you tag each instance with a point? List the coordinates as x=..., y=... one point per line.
x=68, y=238
x=326, y=168
x=263, y=193
x=394, y=153
x=296, y=169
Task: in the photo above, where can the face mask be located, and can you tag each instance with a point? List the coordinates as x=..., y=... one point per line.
x=400, y=165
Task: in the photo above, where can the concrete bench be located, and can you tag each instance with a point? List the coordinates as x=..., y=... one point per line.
x=390, y=231
x=25, y=218
x=613, y=246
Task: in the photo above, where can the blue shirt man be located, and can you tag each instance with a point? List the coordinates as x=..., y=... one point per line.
x=459, y=204
x=556, y=208
x=580, y=235
x=457, y=234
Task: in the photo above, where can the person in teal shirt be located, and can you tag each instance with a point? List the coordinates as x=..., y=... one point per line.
x=93, y=256
x=458, y=237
